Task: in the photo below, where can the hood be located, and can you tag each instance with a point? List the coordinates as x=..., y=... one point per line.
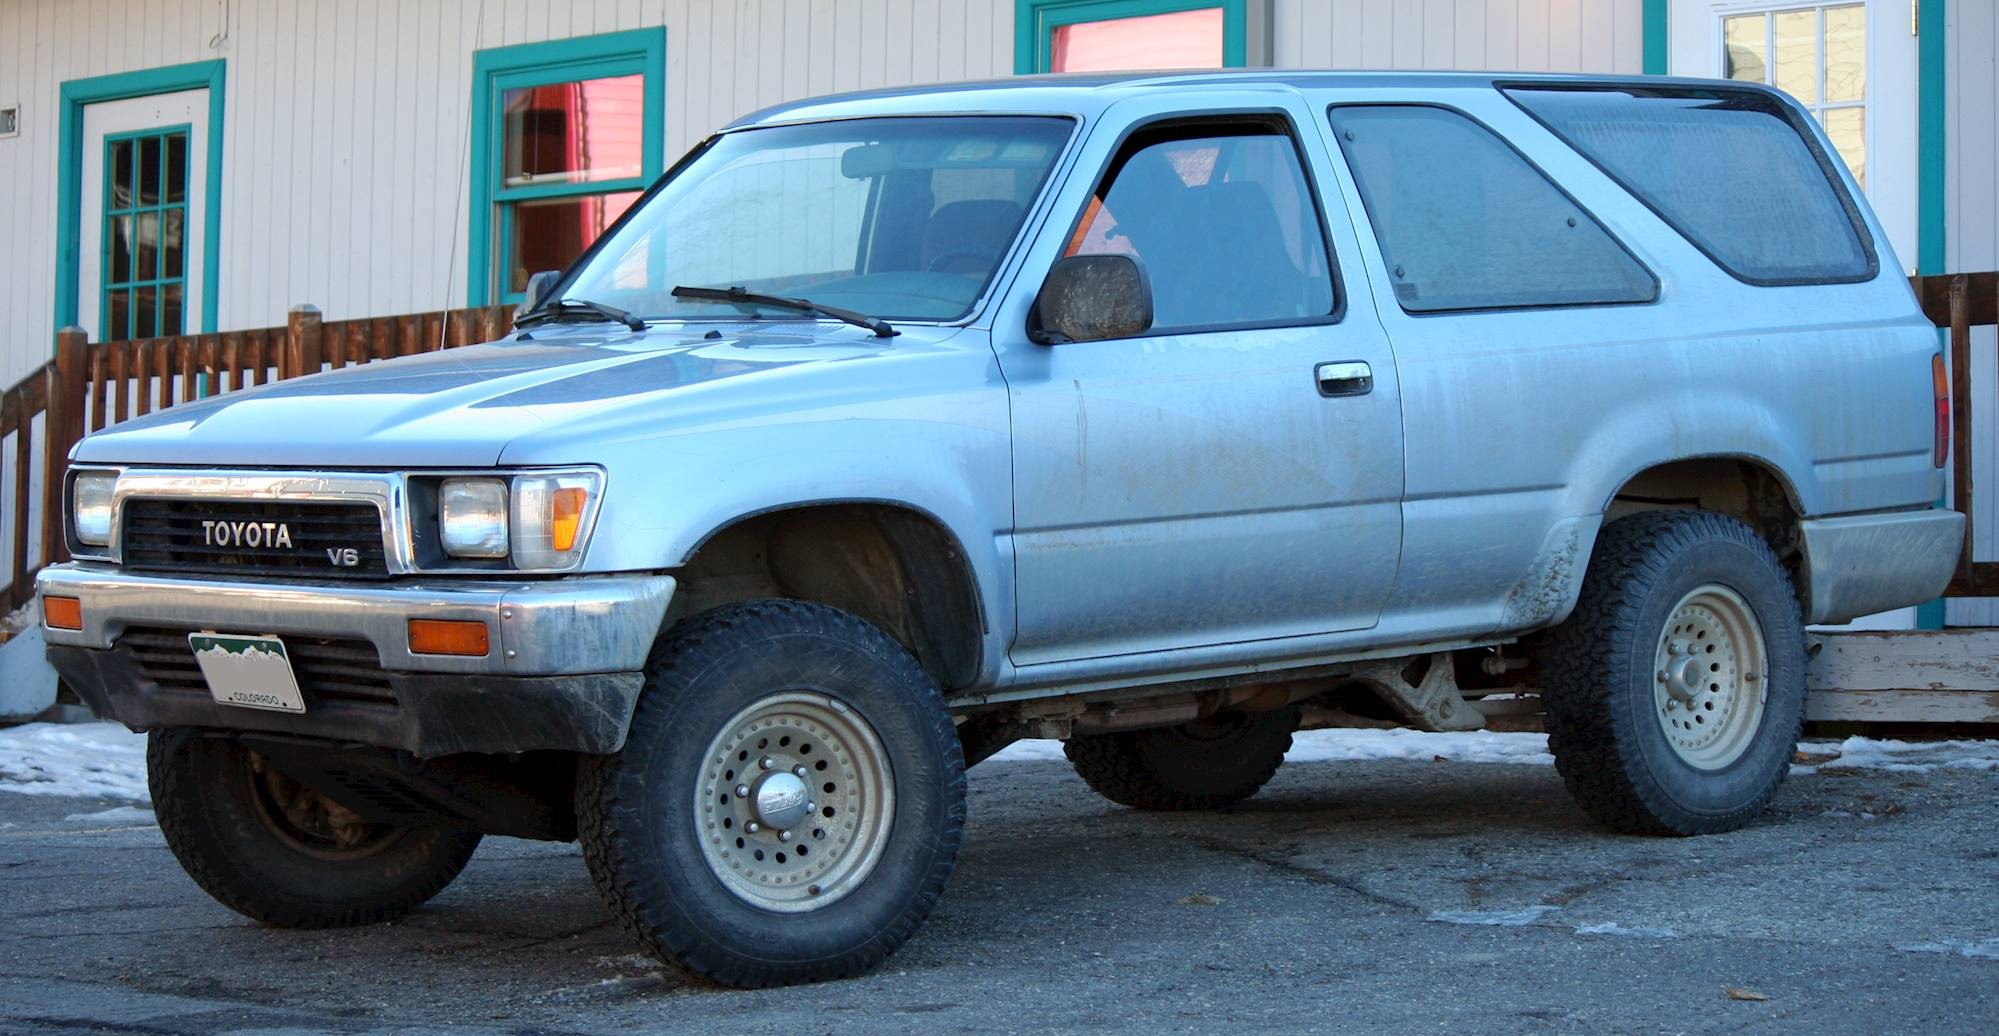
x=463, y=407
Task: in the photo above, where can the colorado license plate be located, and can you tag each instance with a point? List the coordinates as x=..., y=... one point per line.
x=253, y=672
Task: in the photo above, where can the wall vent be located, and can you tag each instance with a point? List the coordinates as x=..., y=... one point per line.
x=10, y=121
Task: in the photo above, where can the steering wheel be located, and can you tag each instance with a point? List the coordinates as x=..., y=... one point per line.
x=985, y=254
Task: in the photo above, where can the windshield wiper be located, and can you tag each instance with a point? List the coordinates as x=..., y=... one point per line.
x=744, y=295
x=570, y=309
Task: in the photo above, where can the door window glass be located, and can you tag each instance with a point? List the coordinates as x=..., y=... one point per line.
x=144, y=235
x=1223, y=222
x=1465, y=222
x=1729, y=169
x=1817, y=55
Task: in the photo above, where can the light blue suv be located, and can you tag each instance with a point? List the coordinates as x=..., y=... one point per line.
x=1163, y=415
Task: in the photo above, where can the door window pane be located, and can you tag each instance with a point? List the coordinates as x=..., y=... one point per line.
x=144, y=259
x=1794, y=40
x=1727, y=168
x=1847, y=128
x=1845, y=53
x=585, y=131
x=1744, y=53
x=1182, y=39
x=1465, y=222
x=1224, y=225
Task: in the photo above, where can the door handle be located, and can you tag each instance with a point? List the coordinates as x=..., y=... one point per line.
x=1345, y=378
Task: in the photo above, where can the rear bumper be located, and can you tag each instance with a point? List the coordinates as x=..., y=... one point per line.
x=564, y=670
x=1861, y=564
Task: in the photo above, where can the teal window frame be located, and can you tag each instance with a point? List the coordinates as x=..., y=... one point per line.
x=75, y=95
x=499, y=69
x=1035, y=22
x=107, y=281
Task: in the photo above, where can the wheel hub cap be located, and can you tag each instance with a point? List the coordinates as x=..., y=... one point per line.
x=1708, y=674
x=794, y=802
x=780, y=800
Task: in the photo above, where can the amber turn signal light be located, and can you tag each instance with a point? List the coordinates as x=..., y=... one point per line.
x=62, y=613
x=447, y=637
x=1940, y=389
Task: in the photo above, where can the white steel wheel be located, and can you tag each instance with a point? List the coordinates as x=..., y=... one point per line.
x=795, y=801
x=1710, y=677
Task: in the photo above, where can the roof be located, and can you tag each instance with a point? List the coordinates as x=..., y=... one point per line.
x=1091, y=92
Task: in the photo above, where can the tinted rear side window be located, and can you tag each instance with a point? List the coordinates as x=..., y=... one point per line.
x=1465, y=222
x=1732, y=170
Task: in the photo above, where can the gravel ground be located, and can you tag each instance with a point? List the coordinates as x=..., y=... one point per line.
x=1397, y=895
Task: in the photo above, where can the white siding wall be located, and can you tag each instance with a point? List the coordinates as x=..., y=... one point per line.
x=1470, y=35
x=1971, y=243
x=345, y=123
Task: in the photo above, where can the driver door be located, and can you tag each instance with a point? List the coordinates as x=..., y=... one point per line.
x=1235, y=473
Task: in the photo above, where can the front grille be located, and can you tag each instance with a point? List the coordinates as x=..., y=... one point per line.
x=328, y=668
x=169, y=534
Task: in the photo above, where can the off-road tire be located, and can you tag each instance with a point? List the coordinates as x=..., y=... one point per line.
x=210, y=811
x=1186, y=767
x=1598, y=676
x=641, y=841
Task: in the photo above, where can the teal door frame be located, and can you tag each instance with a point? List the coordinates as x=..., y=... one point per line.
x=79, y=93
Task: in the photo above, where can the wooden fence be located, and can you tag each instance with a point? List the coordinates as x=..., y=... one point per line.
x=89, y=386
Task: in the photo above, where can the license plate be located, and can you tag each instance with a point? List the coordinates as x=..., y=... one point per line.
x=252, y=672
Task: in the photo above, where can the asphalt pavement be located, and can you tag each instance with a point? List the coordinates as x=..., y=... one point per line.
x=1395, y=896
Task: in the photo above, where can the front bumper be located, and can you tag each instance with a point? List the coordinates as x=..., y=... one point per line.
x=563, y=673
x=1865, y=563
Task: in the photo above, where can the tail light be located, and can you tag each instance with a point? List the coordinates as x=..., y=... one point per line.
x=1940, y=386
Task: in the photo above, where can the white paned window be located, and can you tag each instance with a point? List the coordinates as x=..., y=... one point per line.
x=1817, y=53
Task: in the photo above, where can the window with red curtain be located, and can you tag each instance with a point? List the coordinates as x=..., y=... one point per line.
x=1179, y=39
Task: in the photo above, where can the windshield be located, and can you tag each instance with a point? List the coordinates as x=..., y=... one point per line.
x=899, y=218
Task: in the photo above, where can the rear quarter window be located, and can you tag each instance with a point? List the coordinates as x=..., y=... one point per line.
x=1466, y=222
x=1734, y=171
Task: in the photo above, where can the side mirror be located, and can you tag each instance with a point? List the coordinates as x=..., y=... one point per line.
x=538, y=288
x=1092, y=297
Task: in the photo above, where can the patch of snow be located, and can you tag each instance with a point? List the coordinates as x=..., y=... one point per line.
x=1502, y=918
x=1866, y=753
x=114, y=815
x=1984, y=949
x=1468, y=746
x=1487, y=746
x=1319, y=746
x=82, y=760
x=1613, y=928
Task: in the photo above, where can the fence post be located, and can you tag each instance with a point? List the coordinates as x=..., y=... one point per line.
x=62, y=428
x=302, y=354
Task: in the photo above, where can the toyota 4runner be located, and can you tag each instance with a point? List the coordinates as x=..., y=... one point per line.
x=1162, y=415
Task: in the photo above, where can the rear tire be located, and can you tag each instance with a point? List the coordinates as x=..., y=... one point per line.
x=1206, y=764
x=788, y=803
x=278, y=852
x=1675, y=692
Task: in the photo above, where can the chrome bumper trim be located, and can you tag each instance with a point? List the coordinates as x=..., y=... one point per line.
x=576, y=624
x=1861, y=564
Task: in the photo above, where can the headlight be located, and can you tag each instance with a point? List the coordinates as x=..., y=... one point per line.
x=472, y=517
x=550, y=517
x=90, y=506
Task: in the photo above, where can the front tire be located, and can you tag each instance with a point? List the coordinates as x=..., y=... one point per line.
x=1675, y=692
x=275, y=851
x=1205, y=764
x=788, y=803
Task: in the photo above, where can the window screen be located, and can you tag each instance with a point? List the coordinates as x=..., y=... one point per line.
x=1729, y=169
x=1465, y=222
x=1223, y=222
